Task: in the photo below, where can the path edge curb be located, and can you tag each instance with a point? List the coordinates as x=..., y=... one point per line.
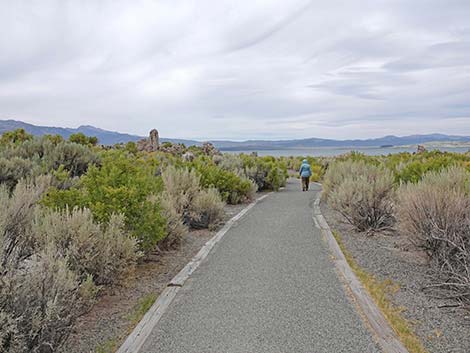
x=386, y=337
x=141, y=332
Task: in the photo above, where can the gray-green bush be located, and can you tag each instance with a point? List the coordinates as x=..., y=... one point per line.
x=207, y=209
x=50, y=262
x=337, y=172
x=16, y=214
x=39, y=301
x=14, y=169
x=435, y=214
x=365, y=199
x=105, y=253
x=184, y=196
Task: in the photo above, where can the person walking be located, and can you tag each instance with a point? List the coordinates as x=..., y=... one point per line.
x=305, y=173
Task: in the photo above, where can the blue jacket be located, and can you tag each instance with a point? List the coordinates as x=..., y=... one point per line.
x=305, y=170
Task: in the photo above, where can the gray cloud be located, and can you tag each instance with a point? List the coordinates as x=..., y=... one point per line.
x=268, y=69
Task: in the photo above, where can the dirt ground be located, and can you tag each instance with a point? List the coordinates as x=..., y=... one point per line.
x=119, y=309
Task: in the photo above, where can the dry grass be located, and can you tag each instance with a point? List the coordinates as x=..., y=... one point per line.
x=380, y=291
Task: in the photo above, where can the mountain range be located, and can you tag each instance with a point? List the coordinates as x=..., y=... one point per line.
x=106, y=137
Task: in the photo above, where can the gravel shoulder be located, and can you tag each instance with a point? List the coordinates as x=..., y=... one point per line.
x=111, y=319
x=391, y=256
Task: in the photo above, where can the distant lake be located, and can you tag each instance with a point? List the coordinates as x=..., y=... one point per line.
x=335, y=151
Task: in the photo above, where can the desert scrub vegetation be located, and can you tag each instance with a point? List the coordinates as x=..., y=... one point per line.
x=424, y=196
x=187, y=204
x=268, y=173
x=362, y=193
x=33, y=157
x=239, y=177
x=233, y=188
x=435, y=214
x=91, y=249
x=76, y=217
x=410, y=167
x=40, y=296
x=121, y=184
x=363, y=188
x=207, y=209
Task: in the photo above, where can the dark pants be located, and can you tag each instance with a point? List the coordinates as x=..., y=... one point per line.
x=305, y=181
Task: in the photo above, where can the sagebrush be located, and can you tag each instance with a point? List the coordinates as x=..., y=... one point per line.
x=364, y=194
x=435, y=214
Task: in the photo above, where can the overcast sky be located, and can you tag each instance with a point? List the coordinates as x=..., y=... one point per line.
x=238, y=69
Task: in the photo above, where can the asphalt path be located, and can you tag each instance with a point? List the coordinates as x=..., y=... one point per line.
x=269, y=286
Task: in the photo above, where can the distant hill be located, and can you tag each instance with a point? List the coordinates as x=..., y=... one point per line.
x=110, y=137
x=318, y=142
x=105, y=137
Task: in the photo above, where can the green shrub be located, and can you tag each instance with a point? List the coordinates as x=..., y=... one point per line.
x=84, y=140
x=123, y=185
x=409, y=167
x=367, y=200
x=267, y=173
x=413, y=172
x=54, y=139
x=131, y=147
x=15, y=137
x=233, y=188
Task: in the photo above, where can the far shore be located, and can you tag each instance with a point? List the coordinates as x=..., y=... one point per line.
x=335, y=151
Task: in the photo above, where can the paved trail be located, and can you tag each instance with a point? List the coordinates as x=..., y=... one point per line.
x=268, y=287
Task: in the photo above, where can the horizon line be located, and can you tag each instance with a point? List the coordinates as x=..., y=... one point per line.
x=201, y=140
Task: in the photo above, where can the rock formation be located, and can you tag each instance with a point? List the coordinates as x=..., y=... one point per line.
x=176, y=149
x=154, y=139
x=209, y=149
x=421, y=149
x=150, y=144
